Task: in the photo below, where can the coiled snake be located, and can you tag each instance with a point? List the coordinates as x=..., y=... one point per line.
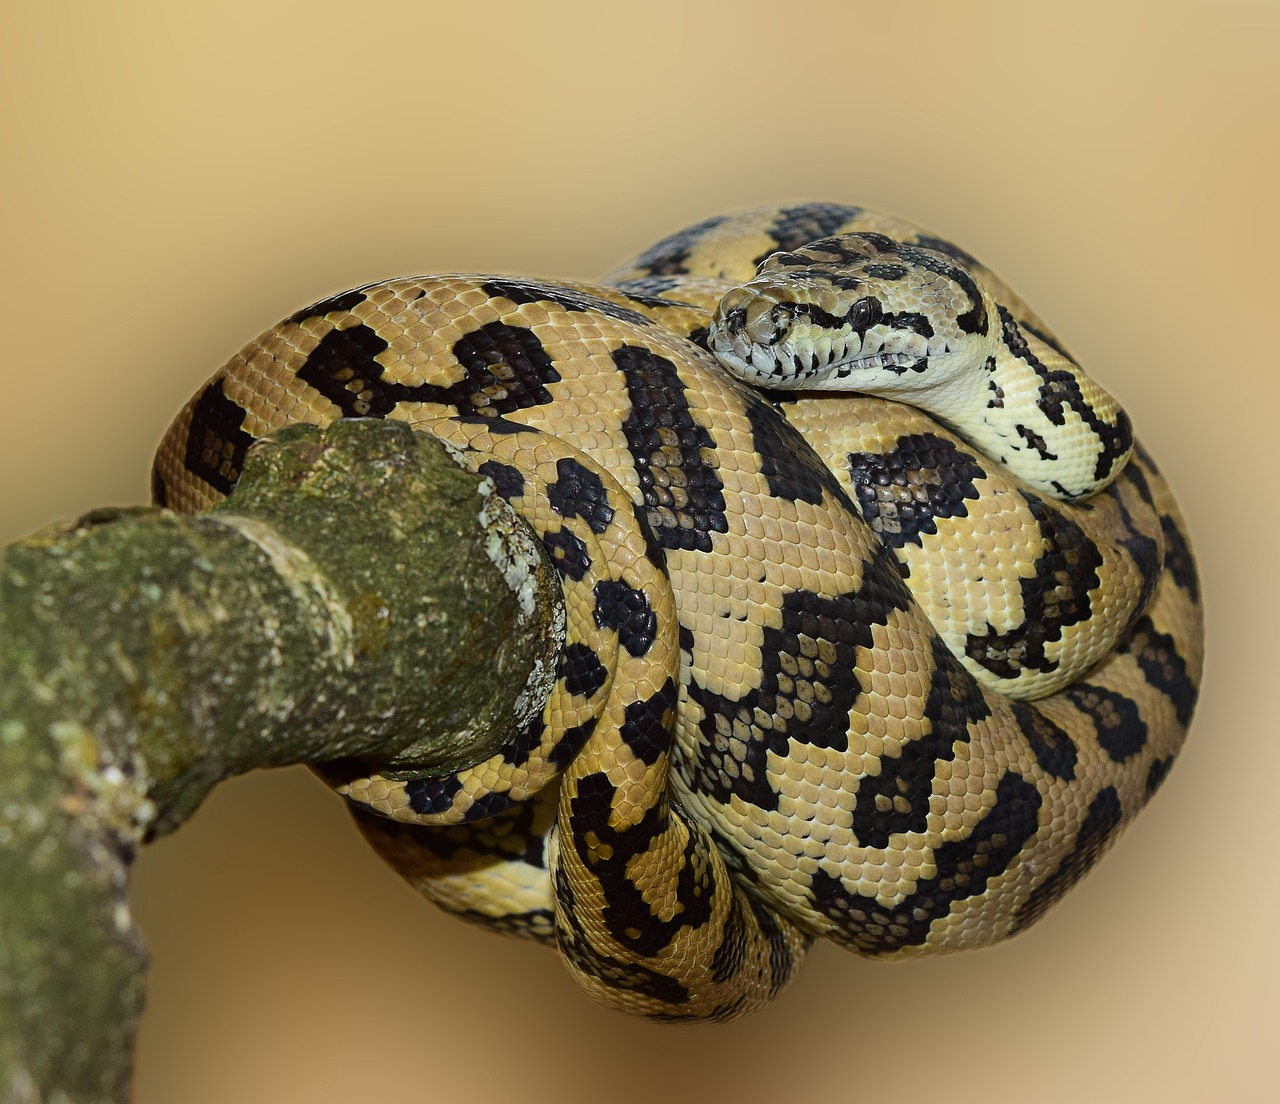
x=835, y=666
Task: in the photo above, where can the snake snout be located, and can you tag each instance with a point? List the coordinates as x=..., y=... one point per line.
x=756, y=319
x=767, y=322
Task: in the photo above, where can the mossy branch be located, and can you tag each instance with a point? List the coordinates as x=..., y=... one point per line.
x=359, y=595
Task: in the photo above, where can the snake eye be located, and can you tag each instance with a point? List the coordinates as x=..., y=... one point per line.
x=864, y=314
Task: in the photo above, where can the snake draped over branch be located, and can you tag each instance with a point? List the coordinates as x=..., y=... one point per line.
x=880, y=626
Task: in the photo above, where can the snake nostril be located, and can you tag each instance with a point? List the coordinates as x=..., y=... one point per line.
x=766, y=322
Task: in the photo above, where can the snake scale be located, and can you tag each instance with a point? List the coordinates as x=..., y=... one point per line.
x=880, y=627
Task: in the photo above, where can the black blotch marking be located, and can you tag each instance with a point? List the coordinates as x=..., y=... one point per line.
x=568, y=553
x=1055, y=597
x=432, y=795
x=507, y=369
x=580, y=492
x=526, y=741
x=626, y=611
x=1048, y=339
x=497, y=425
x=964, y=867
x=822, y=261
x=571, y=742
x=653, y=549
x=806, y=687
x=859, y=249
x=1147, y=554
x=159, y=489
x=1038, y=444
x=909, y=320
x=1060, y=391
x=515, y=835
x=862, y=315
x=860, y=244
x=1096, y=833
x=646, y=724
x=782, y=963
x=628, y=977
x=535, y=924
x=903, y=492
x=216, y=445
x=609, y=850
x=488, y=805
x=1122, y=732
x=897, y=799
x=670, y=256
x=652, y=290
x=582, y=671
x=343, y=302
x=747, y=922
x=1148, y=461
x=1177, y=558
x=1157, y=773
x=673, y=454
x=657, y=302
x=700, y=336
x=344, y=369
x=619, y=976
x=1156, y=653
x=885, y=271
x=974, y=320
x=791, y=468
x=731, y=953
x=804, y=223
x=1053, y=748
x=798, y=261
x=940, y=245
x=507, y=481
x=570, y=299
x=1138, y=479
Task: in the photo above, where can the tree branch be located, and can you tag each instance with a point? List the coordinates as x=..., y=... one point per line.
x=360, y=594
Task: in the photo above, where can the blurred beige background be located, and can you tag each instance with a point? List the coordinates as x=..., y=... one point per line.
x=177, y=177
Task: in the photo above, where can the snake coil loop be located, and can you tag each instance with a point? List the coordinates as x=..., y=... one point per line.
x=889, y=656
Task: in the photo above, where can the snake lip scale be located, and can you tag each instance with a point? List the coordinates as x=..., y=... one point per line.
x=887, y=654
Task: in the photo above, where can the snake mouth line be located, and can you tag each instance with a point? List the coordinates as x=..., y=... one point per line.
x=897, y=363
x=825, y=363
x=806, y=363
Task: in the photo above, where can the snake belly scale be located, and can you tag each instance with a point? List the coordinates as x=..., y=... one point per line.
x=835, y=666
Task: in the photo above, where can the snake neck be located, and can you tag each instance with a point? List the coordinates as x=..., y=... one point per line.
x=1031, y=407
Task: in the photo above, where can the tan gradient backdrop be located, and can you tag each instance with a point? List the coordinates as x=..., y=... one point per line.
x=177, y=177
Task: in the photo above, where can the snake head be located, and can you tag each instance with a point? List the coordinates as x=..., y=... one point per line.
x=857, y=312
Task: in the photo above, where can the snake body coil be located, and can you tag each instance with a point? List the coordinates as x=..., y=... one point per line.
x=833, y=667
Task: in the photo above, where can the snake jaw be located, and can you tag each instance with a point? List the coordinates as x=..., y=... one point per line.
x=899, y=364
x=778, y=345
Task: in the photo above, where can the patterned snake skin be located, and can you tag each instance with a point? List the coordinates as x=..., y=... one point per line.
x=894, y=675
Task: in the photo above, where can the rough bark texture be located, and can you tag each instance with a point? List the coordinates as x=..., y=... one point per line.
x=360, y=595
